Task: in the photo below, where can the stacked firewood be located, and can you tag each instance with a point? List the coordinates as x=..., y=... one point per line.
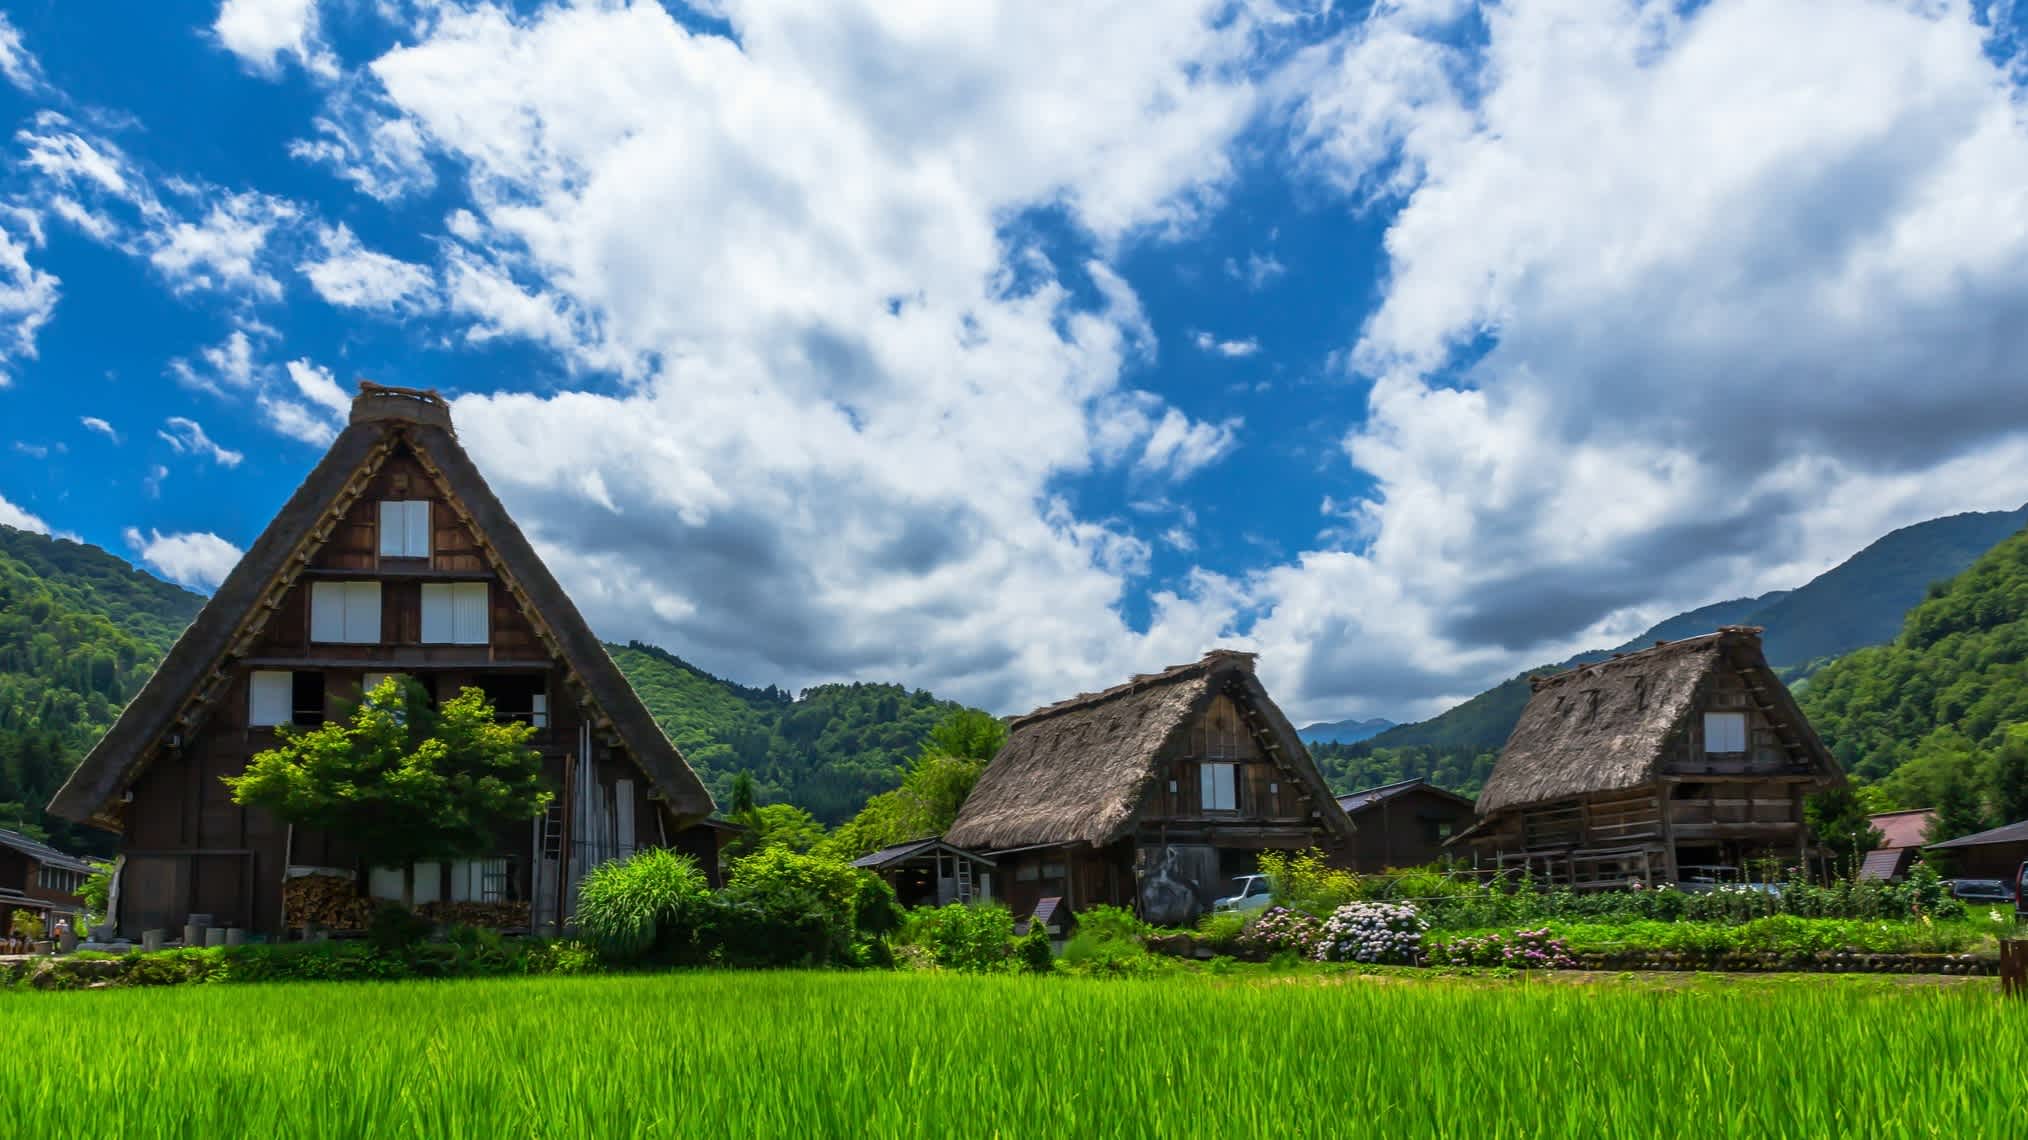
x=497, y=915
x=328, y=902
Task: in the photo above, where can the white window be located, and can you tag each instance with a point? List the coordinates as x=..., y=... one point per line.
x=1725, y=732
x=271, y=699
x=346, y=612
x=405, y=529
x=454, y=613
x=479, y=880
x=538, y=710
x=1220, y=786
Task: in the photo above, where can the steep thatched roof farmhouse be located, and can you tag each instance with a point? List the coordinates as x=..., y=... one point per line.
x=1685, y=759
x=1160, y=790
x=392, y=557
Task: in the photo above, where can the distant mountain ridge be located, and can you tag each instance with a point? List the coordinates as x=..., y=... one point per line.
x=1861, y=601
x=1343, y=731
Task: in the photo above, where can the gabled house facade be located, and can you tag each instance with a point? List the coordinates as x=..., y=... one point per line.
x=392, y=557
x=1686, y=760
x=1154, y=795
x=1404, y=824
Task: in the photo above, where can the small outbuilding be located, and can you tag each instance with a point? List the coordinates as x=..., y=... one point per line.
x=1995, y=854
x=1403, y=824
x=1901, y=835
x=930, y=872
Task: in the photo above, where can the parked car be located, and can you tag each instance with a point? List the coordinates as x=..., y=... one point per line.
x=1254, y=894
x=1982, y=890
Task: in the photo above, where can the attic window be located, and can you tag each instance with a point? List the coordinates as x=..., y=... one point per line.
x=454, y=613
x=1724, y=732
x=405, y=529
x=345, y=612
x=1219, y=784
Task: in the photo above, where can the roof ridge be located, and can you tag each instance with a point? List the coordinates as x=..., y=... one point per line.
x=1139, y=681
x=1660, y=648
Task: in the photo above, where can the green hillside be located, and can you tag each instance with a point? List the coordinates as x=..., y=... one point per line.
x=1940, y=715
x=1859, y=602
x=80, y=630
x=827, y=750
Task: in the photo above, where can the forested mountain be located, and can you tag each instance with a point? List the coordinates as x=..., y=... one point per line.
x=1940, y=715
x=1859, y=602
x=1343, y=731
x=827, y=750
x=80, y=630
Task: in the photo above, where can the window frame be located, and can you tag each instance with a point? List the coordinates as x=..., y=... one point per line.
x=456, y=604
x=407, y=523
x=1208, y=782
x=267, y=692
x=1727, y=717
x=351, y=598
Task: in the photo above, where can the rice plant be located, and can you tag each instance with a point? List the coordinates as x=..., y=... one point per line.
x=893, y=1055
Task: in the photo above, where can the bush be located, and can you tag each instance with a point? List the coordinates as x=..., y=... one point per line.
x=27, y=925
x=643, y=906
x=1113, y=924
x=1034, y=950
x=1221, y=929
x=960, y=937
x=1280, y=929
x=1303, y=882
x=1521, y=950
x=781, y=908
x=395, y=927
x=1372, y=932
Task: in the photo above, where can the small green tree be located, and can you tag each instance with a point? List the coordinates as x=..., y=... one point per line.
x=1838, y=818
x=933, y=787
x=773, y=825
x=404, y=781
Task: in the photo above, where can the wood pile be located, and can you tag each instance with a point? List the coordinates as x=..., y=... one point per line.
x=496, y=915
x=328, y=902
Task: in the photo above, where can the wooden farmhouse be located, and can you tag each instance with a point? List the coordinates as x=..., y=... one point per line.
x=394, y=556
x=1154, y=795
x=1403, y=824
x=39, y=879
x=1687, y=759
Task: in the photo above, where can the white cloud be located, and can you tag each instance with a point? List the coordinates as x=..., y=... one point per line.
x=351, y=276
x=846, y=384
x=1231, y=349
x=17, y=64
x=228, y=366
x=263, y=32
x=1256, y=271
x=317, y=416
x=317, y=385
x=93, y=423
x=19, y=519
x=223, y=250
x=186, y=437
x=27, y=300
x=1679, y=306
x=199, y=559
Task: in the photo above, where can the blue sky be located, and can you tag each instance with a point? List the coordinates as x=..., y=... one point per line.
x=1009, y=350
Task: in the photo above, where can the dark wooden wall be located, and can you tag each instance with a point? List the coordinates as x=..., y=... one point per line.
x=1405, y=830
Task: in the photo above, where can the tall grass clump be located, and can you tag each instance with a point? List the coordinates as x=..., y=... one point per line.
x=630, y=908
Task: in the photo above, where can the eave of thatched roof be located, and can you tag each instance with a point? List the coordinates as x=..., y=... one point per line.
x=1563, y=748
x=381, y=417
x=1077, y=771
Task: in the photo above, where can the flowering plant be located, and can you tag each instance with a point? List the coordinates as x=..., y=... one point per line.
x=1372, y=932
x=1522, y=950
x=1278, y=929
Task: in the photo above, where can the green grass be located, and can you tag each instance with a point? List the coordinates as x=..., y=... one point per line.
x=814, y=1055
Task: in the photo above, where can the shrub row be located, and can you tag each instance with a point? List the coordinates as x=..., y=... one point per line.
x=469, y=953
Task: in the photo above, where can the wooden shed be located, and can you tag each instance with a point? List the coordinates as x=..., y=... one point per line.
x=930, y=872
x=1686, y=759
x=1154, y=794
x=1403, y=824
x=392, y=557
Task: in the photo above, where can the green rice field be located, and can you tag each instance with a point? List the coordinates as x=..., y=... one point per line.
x=840, y=1055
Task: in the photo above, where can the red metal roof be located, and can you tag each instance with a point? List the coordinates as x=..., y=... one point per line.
x=1902, y=828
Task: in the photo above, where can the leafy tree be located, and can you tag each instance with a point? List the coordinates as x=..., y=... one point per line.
x=968, y=733
x=773, y=825
x=1838, y=818
x=2006, y=776
x=932, y=789
x=405, y=781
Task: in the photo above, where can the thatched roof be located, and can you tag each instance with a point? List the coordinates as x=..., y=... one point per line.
x=1570, y=742
x=192, y=676
x=1076, y=771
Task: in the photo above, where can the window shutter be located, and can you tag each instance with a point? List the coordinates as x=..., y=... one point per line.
x=1725, y=732
x=327, y=611
x=270, y=698
x=437, y=624
x=393, y=529
x=362, y=613
x=1207, y=787
x=417, y=528
x=470, y=600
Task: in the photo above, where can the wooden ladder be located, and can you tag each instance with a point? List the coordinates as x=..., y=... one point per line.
x=964, y=875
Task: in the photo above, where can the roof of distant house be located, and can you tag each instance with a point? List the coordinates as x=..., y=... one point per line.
x=1902, y=828
x=2011, y=833
x=1355, y=802
x=43, y=853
